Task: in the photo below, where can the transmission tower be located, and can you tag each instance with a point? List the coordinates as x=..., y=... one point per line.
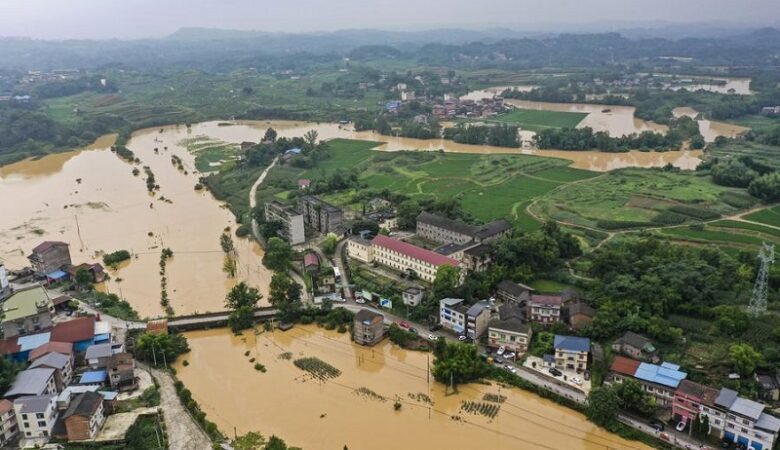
x=766, y=256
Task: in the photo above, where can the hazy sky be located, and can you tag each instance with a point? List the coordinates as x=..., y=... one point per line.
x=58, y=19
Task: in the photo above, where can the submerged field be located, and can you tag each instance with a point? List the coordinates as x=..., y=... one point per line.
x=488, y=186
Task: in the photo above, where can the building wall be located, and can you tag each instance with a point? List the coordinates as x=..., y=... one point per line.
x=319, y=216
x=543, y=314
x=80, y=428
x=293, y=230
x=412, y=299
x=514, y=341
x=52, y=259
x=8, y=427
x=441, y=235
x=36, y=425
x=664, y=396
x=569, y=360
x=451, y=319
x=401, y=262
x=359, y=251
x=478, y=325
x=28, y=324
x=723, y=422
x=368, y=334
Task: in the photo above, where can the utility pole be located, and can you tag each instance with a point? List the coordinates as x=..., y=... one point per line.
x=154, y=355
x=758, y=299
x=78, y=231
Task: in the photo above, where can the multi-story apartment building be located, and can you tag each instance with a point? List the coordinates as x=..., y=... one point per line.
x=38, y=381
x=513, y=334
x=477, y=319
x=360, y=249
x=368, y=327
x=730, y=417
x=320, y=215
x=50, y=256
x=452, y=314
x=62, y=365
x=660, y=381
x=292, y=222
x=84, y=417
x=571, y=352
x=517, y=293
x=447, y=231
x=545, y=309
x=8, y=426
x=405, y=257
x=27, y=311
x=36, y=416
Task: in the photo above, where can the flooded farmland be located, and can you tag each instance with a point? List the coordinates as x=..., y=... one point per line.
x=91, y=199
x=356, y=408
x=710, y=129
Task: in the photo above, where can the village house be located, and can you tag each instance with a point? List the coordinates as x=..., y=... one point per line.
x=84, y=417
x=768, y=387
x=368, y=327
x=79, y=332
x=477, y=258
x=688, y=400
x=36, y=416
x=509, y=291
x=571, y=352
x=304, y=183
x=311, y=262
x=477, y=319
x=50, y=256
x=412, y=295
x=579, y=315
x=320, y=215
x=360, y=249
x=447, y=231
x=545, y=309
x=292, y=228
x=660, y=381
x=5, y=286
x=9, y=429
x=38, y=381
x=27, y=311
x=62, y=365
x=405, y=257
x=98, y=356
x=95, y=269
x=378, y=204
x=121, y=372
x=64, y=348
x=511, y=333
x=452, y=314
x=636, y=346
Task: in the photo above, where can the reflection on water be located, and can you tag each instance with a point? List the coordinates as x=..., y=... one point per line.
x=330, y=415
x=92, y=200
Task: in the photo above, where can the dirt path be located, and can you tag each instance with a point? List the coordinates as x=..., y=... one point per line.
x=182, y=430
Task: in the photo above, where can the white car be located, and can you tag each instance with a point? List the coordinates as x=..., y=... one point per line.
x=500, y=350
x=359, y=300
x=509, y=355
x=680, y=426
x=576, y=380
x=433, y=337
x=462, y=337
x=510, y=368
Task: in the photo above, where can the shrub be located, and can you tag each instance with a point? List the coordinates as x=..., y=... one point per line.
x=621, y=224
x=669, y=218
x=696, y=213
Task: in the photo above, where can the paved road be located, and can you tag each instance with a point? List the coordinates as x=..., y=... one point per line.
x=339, y=259
x=680, y=440
x=182, y=430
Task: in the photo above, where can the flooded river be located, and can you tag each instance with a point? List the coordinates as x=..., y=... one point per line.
x=710, y=129
x=90, y=199
x=330, y=415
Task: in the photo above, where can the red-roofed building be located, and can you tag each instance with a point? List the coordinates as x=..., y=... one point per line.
x=304, y=183
x=545, y=309
x=65, y=348
x=688, y=399
x=625, y=366
x=311, y=262
x=80, y=332
x=403, y=257
x=9, y=346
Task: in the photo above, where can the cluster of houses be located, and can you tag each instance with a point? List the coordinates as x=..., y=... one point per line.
x=51, y=260
x=451, y=108
x=311, y=212
x=58, y=396
x=727, y=415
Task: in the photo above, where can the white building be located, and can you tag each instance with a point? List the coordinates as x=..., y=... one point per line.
x=36, y=416
x=743, y=421
x=452, y=314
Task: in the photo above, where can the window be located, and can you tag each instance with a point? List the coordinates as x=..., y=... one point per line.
x=41, y=423
x=39, y=415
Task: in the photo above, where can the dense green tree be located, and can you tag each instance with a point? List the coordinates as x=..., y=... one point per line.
x=270, y=135
x=242, y=301
x=407, y=214
x=279, y=289
x=447, y=279
x=744, y=358
x=83, y=279
x=249, y=441
x=602, y=407
x=458, y=363
x=634, y=398
x=278, y=255
x=329, y=244
x=165, y=347
x=766, y=187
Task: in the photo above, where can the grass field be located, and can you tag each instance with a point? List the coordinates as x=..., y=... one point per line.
x=769, y=216
x=734, y=224
x=488, y=186
x=762, y=153
x=534, y=120
x=552, y=286
x=636, y=197
x=714, y=236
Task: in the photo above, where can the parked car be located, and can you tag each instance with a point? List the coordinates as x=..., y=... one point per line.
x=404, y=325
x=498, y=360
x=500, y=350
x=510, y=368
x=577, y=381
x=657, y=425
x=433, y=337
x=509, y=355
x=555, y=372
x=359, y=300
x=680, y=426
x=462, y=337
x=413, y=330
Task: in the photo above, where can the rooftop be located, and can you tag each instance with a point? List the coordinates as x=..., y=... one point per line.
x=413, y=251
x=637, y=341
x=53, y=360
x=571, y=343
x=311, y=259
x=546, y=300
x=705, y=394
x=84, y=405
x=45, y=245
x=446, y=223
x=33, y=404
x=93, y=377
x=30, y=382
x=509, y=311
x=492, y=229
x=33, y=341
x=625, y=366
x=98, y=351
x=368, y=317
x=581, y=308
x=75, y=330
x=511, y=324
x=667, y=374
x=477, y=308
x=25, y=303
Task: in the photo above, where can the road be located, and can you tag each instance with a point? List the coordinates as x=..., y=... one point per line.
x=680, y=440
x=339, y=259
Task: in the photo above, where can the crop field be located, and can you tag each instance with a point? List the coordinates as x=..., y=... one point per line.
x=488, y=186
x=735, y=224
x=534, y=120
x=764, y=154
x=633, y=198
x=769, y=216
x=710, y=235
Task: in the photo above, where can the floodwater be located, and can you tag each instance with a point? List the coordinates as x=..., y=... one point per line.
x=490, y=92
x=736, y=86
x=331, y=415
x=90, y=198
x=710, y=129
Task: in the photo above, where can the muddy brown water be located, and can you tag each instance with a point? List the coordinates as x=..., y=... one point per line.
x=710, y=129
x=314, y=415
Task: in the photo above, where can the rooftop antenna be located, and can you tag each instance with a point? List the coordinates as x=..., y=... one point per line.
x=758, y=299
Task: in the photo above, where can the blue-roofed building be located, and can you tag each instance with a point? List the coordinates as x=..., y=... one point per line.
x=392, y=106
x=660, y=381
x=94, y=377
x=293, y=151
x=571, y=353
x=29, y=343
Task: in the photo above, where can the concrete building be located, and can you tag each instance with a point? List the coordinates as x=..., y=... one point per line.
x=98, y=356
x=452, y=314
x=405, y=257
x=477, y=258
x=477, y=319
x=545, y=309
x=320, y=215
x=31, y=382
x=571, y=353
x=368, y=327
x=36, y=416
x=50, y=256
x=292, y=222
x=512, y=333
x=446, y=231
x=62, y=365
x=27, y=311
x=121, y=372
x=360, y=249
x=660, y=381
x=9, y=428
x=412, y=295
x=84, y=417
x=636, y=346
x=5, y=286
x=689, y=399
x=518, y=293
x=578, y=315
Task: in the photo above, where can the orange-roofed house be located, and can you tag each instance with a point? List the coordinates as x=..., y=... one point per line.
x=8, y=426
